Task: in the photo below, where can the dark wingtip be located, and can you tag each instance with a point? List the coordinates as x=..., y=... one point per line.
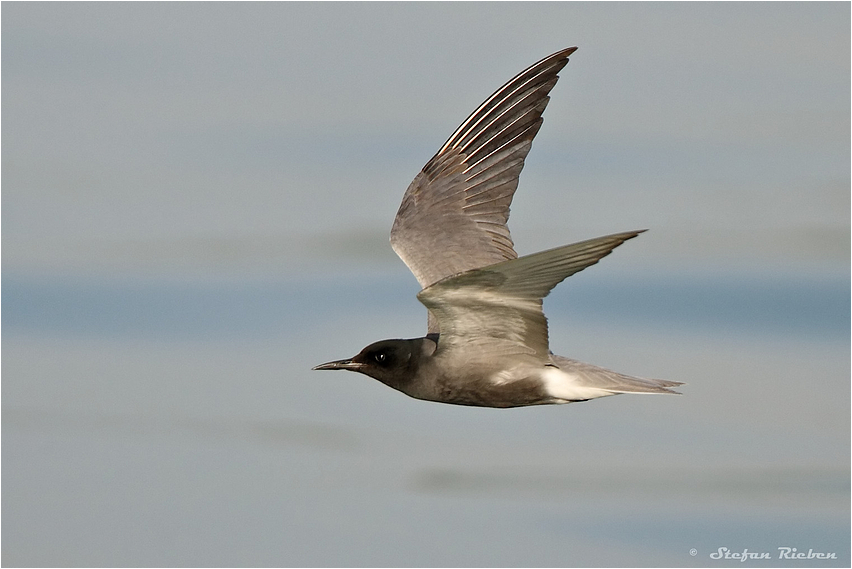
x=627, y=235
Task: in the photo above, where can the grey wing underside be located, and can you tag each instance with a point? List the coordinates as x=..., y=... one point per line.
x=495, y=312
x=453, y=215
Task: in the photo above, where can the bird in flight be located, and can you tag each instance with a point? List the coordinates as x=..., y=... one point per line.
x=487, y=342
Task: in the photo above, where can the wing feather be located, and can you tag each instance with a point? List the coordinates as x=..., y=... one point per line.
x=453, y=216
x=499, y=308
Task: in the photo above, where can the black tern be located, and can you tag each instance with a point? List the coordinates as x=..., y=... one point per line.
x=487, y=342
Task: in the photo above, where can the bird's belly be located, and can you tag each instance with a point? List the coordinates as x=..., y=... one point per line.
x=484, y=392
x=518, y=388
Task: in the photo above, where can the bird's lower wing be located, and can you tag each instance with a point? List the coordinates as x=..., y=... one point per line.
x=496, y=311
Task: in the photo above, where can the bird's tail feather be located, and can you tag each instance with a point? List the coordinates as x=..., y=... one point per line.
x=590, y=376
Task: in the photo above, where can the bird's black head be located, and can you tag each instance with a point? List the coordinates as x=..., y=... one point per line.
x=393, y=362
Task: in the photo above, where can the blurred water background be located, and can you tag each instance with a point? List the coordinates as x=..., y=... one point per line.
x=196, y=203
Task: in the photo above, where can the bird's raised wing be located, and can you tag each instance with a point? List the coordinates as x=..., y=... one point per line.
x=453, y=215
x=495, y=312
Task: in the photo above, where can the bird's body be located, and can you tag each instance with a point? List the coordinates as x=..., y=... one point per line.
x=487, y=342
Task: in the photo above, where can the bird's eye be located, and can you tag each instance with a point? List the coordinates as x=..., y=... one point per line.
x=379, y=357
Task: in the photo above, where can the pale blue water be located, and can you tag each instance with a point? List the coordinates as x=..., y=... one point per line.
x=177, y=423
x=816, y=307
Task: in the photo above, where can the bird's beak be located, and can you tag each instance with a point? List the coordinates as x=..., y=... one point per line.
x=341, y=364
